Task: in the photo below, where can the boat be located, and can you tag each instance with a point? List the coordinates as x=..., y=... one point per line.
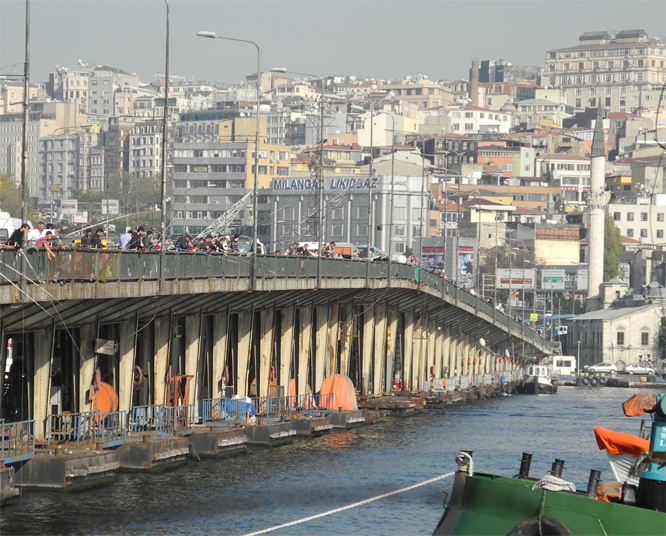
x=537, y=381
x=488, y=504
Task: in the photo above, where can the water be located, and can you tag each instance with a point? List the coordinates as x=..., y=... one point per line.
x=269, y=487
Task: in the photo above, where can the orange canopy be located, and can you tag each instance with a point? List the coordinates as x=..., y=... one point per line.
x=619, y=442
x=344, y=393
x=640, y=404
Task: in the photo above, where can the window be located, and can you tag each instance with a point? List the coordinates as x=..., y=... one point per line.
x=645, y=338
x=644, y=216
x=469, y=126
x=399, y=213
x=660, y=216
x=338, y=229
x=361, y=229
x=660, y=233
x=630, y=233
x=630, y=216
x=398, y=230
x=643, y=233
x=617, y=216
x=620, y=338
x=288, y=213
x=362, y=213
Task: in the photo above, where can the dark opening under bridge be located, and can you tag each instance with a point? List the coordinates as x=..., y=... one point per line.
x=234, y=327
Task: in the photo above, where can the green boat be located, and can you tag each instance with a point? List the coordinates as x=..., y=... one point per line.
x=485, y=504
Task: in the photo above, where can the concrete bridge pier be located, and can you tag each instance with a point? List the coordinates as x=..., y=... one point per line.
x=391, y=341
x=322, y=313
x=126, y=348
x=304, y=349
x=408, y=349
x=87, y=366
x=244, y=348
x=379, y=361
x=367, y=356
x=267, y=334
x=347, y=331
x=219, y=357
x=161, y=333
x=287, y=347
x=43, y=345
x=332, y=340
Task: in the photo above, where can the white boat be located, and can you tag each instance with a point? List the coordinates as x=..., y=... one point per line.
x=537, y=381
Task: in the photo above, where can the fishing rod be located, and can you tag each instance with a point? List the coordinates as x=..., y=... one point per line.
x=106, y=221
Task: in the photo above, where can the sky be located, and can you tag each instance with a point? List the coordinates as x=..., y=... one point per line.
x=378, y=39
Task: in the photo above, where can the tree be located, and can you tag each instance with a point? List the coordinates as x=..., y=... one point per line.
x=612, y=248
x=10, y=200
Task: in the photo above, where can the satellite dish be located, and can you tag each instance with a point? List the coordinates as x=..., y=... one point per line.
x=482, y=342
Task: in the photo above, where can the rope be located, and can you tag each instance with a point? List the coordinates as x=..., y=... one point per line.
x=348, y=507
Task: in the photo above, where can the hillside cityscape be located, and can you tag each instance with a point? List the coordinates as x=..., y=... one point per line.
x=484, y=179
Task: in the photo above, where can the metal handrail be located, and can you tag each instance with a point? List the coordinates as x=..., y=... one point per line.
x=90, y=427
x=17, y=441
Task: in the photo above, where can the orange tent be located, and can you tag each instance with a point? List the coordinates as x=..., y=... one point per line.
x=344, y=394
x=620, y=443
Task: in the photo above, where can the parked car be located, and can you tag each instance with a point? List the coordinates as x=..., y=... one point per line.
x=603, y=367
x=639, y=368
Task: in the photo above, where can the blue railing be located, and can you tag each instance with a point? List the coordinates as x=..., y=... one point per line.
x=312, y=405
x=90, y=427
x=17, y=441
x=223, y=412
x=142, y=419
x=174, y=420
x=273, y=408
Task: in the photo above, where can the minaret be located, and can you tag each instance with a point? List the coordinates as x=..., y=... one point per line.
x=597, y=202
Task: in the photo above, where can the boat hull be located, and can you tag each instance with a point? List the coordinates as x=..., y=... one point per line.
x=491, y=505
x=533, y=386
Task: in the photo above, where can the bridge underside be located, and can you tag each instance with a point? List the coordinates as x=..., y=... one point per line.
x=221, y=338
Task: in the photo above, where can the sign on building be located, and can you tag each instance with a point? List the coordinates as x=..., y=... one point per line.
x=552, y=279
x=69, y=206
x=515, y=278
x=80, y=217
x=534, y=317
x=110, y=206
x=582, y=281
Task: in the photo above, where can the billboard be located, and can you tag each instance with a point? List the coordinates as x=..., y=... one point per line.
x=69, y=206
x=582, y=280
x=515, y=278
x=110, y=206
x=552, y=279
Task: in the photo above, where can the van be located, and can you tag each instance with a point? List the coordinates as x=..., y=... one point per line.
x=345, y=249
x=8, y=225
x=564, y=365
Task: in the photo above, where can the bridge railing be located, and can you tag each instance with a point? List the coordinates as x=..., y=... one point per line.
x=312, y=405
x=142, y=419
x=223, y=411
x=17, y=441
x=174, y=420
x=88, y=427
x=273, y=408
x=73, y=265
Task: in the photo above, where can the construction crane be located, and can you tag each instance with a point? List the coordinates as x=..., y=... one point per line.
x=219, y=226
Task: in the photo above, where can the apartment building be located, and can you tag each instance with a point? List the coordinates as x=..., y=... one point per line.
x=145, y=146
x=570, y=172
x=463, y=119
x=642, y=218
x=420, y=91
x=59, y=163
x=601, y=70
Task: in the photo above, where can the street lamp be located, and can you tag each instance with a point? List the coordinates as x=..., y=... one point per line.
x=320, y=167
x=165, y=148
x=255, y=207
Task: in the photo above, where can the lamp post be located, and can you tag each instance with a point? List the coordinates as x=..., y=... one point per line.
x=26, y=115
x=255, y=227
x=165, y=148
x=320, y=168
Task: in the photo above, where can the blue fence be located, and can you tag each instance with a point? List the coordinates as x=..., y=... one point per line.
x=17, y=441
x=174, y=420
x=223, y=412
x=312, y=405
x=90, y=427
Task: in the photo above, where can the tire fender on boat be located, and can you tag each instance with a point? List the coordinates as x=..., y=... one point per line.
x=593, y=381
x=602, y=381
x=540, y=526
x=585, y=381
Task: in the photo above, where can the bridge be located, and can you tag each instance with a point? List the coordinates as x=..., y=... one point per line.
x=199, y=327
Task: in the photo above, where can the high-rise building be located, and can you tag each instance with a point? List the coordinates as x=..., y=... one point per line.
x=601, y=69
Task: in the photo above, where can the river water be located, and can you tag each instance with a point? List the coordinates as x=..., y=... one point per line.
x=268, y=487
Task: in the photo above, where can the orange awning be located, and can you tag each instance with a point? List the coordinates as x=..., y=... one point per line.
x=619, y=442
